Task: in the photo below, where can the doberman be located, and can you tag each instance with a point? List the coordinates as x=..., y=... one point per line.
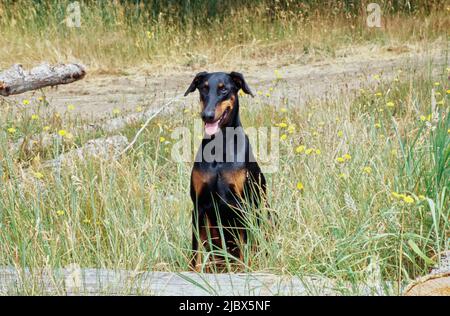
x=225, y=176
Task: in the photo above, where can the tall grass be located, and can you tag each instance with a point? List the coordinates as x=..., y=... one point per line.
x=379, y=214
x=124, y=34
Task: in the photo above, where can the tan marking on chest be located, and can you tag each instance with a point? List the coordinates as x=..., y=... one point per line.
x=236, y=179
x=199, y=180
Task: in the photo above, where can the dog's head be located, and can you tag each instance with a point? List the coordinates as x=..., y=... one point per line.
x=218, y=95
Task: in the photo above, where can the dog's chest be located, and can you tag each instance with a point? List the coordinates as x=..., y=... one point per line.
x=219, y=180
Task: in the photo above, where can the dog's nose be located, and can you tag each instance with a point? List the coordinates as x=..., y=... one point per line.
x=208, y=116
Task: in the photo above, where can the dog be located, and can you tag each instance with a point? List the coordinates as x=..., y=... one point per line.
x=225, y=176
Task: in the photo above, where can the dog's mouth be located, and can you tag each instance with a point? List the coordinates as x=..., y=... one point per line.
x=212, y=128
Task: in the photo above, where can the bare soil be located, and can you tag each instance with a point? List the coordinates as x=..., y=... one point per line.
x=97, y=95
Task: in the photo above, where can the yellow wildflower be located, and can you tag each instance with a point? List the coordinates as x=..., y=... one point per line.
x=300, y=149
x=340, y=159
x=71, y=107
x=86, y=221
x=62, y=132
x=162, y=139
x=139, y=108
x=343, y=176
x=300, y=186
x=448, y=91
x=116, y=111
x=259, y=92
x=241, y=93
x=291, y=129
x=390, y=104
x=437, y=84
x=318, y=151
x=377, y=125
x=283, y=137
x=422, y=197
x=11, y=130
x=347, y=157
x=34, y=117
x=46, y=128
x=378, y=94
x=367, y=170
x=408, y=199
x=283, y=110
x=440, y=102
x=38, y=175
x=60, y=212
x=282, y=125
x=26, y=102
x=309, y=151
x=340, y=134
x=268, y=94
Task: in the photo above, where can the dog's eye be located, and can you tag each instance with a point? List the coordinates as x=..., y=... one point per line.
x=223, y=90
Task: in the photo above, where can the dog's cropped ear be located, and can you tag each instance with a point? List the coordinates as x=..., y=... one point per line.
x=195, y=82
x=239, y=80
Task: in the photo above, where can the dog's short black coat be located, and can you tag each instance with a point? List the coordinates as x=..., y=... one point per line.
x=220, y=188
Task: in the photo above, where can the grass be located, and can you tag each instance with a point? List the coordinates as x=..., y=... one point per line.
x=114, y=37
x=380, y=213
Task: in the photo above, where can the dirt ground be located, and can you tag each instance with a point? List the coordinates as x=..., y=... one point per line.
x=98, y=95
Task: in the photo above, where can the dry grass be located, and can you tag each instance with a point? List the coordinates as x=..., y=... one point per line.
x=115, y=37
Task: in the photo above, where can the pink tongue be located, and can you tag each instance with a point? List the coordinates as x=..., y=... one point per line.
x=211, y=128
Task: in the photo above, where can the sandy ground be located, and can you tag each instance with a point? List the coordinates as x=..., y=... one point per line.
x=98, y=95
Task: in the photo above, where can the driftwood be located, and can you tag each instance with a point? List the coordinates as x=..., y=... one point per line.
x=16, y=80
x=75, y=281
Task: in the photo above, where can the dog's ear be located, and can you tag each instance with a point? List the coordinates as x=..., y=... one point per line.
x=239, y=80
x=195, y=82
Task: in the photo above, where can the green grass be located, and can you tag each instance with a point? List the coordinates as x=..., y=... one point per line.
x=381, y=214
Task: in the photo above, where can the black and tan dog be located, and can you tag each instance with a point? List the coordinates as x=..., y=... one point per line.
x=225, y=176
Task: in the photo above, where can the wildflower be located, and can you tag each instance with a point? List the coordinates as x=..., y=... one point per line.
x=340, y=159
x=300, y=186
x=241, y=93
x=440, y=102
x=283, y=110
x=259, y=92
x=34, y=117
x=26, y=102
x=283, y=137
x=422, y=197
x=367, y=170
x=11, y=130
x=448, y=131
x=437, y=93
x=139, y=108
x=41, y=99
x=62, y=132
x=282, y=125
x=71, y=107
x=448, y=91
x=291, y=129
x=378, y=94
x=309, y=151
x=38, y=175
x=340, y=134
x=116, y=111
x=347, y=157
x=381, y=110
x=162, y=139
x=318, y=152
x=376, y=77
x=343, y=176
x=149, y=34
x=396, y=195
x=390, y=104
x=377, y=125
x=271, y=89
x=277, y=74
x=423, y=118
x=86, y=221
x=437, y=84
x=60, y=212
x=408, y=199
x=268, y=94
x=46, y=128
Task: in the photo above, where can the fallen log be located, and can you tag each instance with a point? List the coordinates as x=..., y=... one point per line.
x=16, y=80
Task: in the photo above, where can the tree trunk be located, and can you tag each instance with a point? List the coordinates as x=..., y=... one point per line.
x=15, y=80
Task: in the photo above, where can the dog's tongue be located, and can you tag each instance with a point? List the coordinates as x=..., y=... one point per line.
x=211, y=128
